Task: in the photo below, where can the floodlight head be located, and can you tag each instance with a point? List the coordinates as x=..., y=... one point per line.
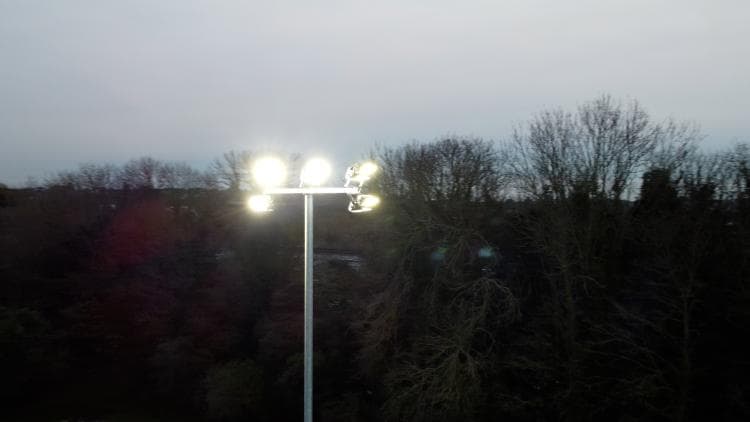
x=269, y=172
x=368, y=169
x=363, y=203
x=315, y=172
x=260, y=203
x=361, y=172
x=369, y=201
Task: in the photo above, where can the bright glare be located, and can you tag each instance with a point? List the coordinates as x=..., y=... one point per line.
x=369, y=201
x=260, y=203
x=269, y=172
x=364, y=203
x=368, y=169
x=315, y=172
x=361, y=172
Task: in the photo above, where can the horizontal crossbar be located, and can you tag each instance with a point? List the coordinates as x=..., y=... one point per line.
x=310, y=191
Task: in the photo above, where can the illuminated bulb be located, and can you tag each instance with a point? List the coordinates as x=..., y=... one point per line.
x=269, y=172
x=361, y=173
x=315, y=172
x=363, y=203
x=367, y=169
x=260, y=203
x=369, y=201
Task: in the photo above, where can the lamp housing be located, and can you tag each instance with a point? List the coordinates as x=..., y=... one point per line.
x=269, y=172
x=315, y=172
x=260, y=203
x=361, y=172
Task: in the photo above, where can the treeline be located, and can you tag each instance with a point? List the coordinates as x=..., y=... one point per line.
x=594, y=266
x=230, y=171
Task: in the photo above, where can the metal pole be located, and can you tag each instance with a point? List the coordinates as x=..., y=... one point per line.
x=308, y=307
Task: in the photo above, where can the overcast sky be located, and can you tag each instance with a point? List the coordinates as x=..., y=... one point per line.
x=106, y=81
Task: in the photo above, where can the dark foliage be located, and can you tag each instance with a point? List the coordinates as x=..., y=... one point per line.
x=594, y=268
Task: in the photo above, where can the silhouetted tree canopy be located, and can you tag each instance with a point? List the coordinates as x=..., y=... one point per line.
x=594, y=266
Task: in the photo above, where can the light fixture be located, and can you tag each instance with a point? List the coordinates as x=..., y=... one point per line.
x=260, y=203
x=269, y=172
x=368, y=169
x=361, y=172
x=315, y=172
x=369, y=201
x=363, y=203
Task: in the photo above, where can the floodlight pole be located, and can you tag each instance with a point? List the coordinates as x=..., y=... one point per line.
x=309, y=255
x=309, y=262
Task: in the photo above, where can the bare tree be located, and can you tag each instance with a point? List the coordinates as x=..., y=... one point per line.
x=612, y=145
x=448, y=174
x=445, y=191
x=179, y=176
x=88, y=176
x=231, y=170
x=739, y=172
x=598, y=151
x=579, y=166
x=540, y=155
x=141, y=173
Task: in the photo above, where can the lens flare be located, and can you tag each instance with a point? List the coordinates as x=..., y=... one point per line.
x=260, y=203
x=315, y=172
x=269, y=172
x=368, y=169
x=369, y=201
x=361, y=172
x=363, y=203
